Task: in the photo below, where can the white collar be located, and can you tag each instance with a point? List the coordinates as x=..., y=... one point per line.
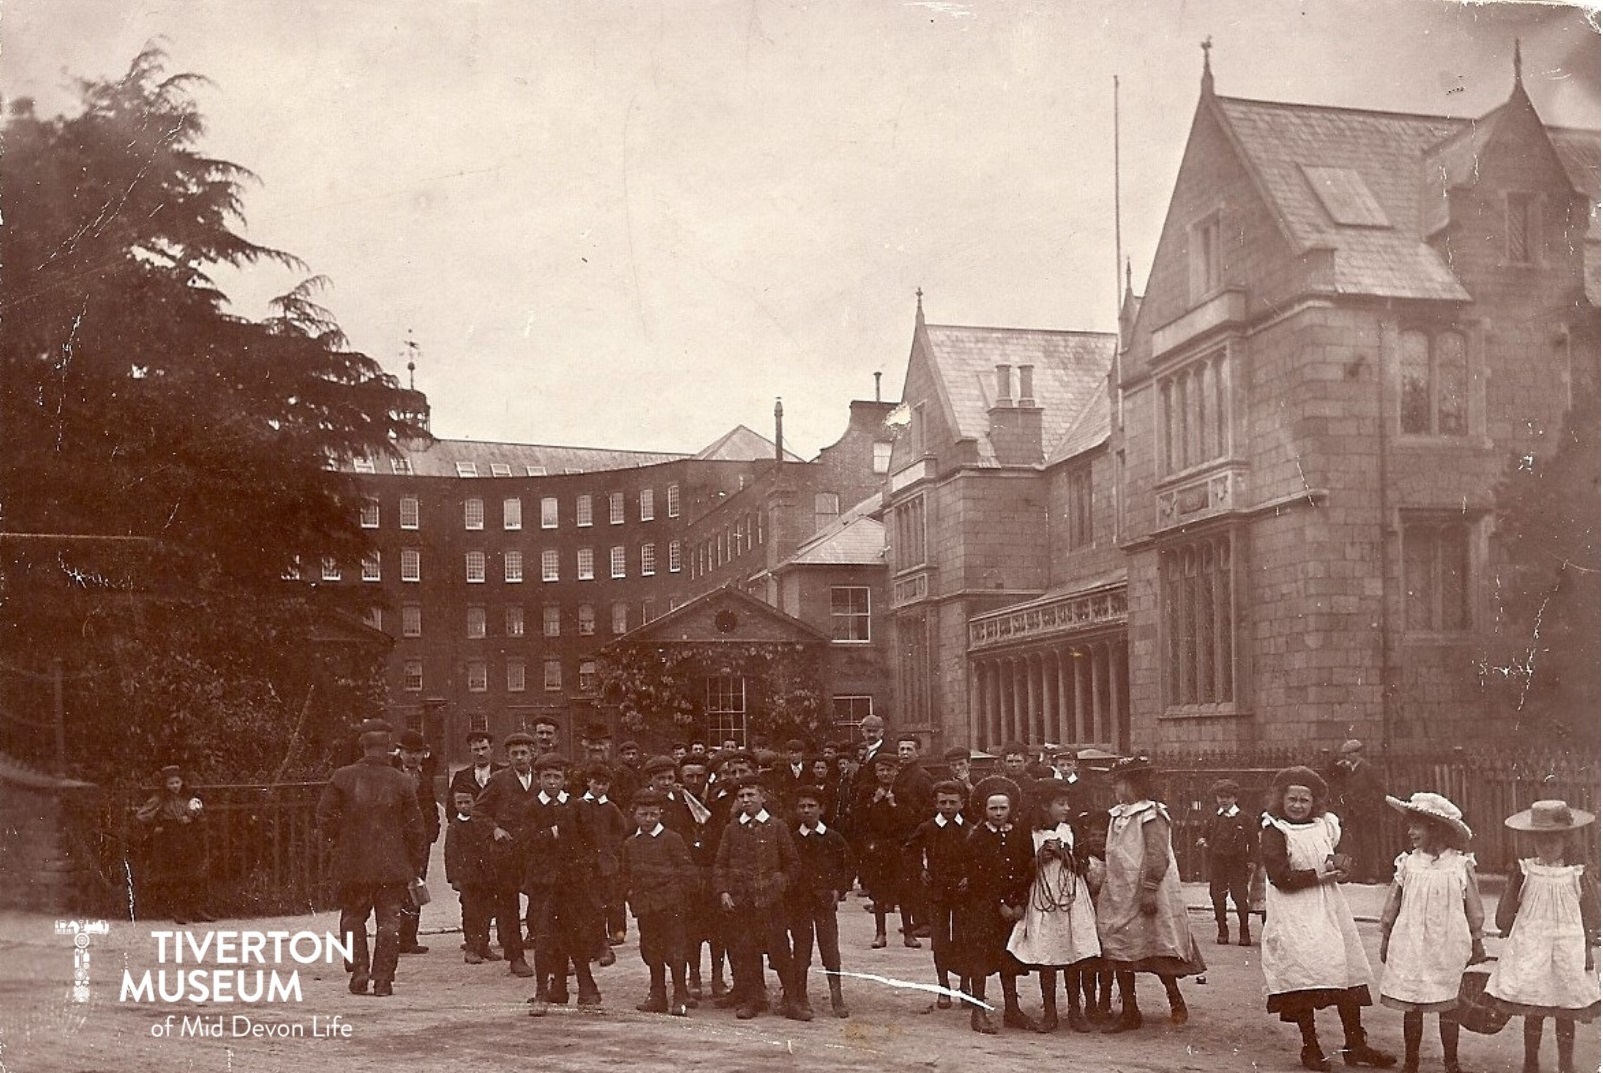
x=653, y=833
x=942, y=821
x=602, y=800
x=761, y=817
x=1004, y=829
x=561, y=798
x=796, y=769
x=1233, y=810
x=1063, y=833
x=464, y=816
x=804, y=830
x=526, y=778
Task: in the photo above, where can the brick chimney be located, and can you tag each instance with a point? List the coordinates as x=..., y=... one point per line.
x=1016, y=428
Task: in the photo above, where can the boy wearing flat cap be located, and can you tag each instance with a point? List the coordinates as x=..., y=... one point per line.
x=560, y=877
x=504, y=806
x=657, y=875
x=756, y=865
x=1232, y=844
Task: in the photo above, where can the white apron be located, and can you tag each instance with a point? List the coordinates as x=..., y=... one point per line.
x=1309, y=938
x=1543, y=961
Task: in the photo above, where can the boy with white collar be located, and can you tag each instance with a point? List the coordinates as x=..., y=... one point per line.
x=1232, y=844
x=604, y=824
x=656, y=871
x=560, y=878
x=825, y=864
x=936, y=853
x=756, y=865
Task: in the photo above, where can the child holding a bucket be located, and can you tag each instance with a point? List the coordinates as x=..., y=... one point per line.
x=1549, y=913
x=1431, y=924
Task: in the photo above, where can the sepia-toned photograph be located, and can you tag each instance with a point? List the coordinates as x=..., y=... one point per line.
x=850, y=536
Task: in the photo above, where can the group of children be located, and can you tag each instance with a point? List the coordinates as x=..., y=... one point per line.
x=1015, y=879
x=1431, y=927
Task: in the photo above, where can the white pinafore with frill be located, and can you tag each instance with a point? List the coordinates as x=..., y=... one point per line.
x=1541, y=969
x=1310, y=942
x=1430, y=941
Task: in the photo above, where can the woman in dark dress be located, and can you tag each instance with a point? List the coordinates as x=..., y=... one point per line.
x=176, y=869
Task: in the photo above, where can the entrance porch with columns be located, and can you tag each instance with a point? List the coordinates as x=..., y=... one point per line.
x=1054, y=669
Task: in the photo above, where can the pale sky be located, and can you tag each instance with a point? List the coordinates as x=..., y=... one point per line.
x=634, y=224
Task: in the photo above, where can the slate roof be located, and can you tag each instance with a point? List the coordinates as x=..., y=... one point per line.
x=1088, y=430
x=741, y=444
x=440, y=458
x=1405, y=161
x=1070, y=368
x=1385, y=150
x=853, y=539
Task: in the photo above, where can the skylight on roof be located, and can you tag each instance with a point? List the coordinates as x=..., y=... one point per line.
x=500, y=469
x=1345, y=197
x=467, y=469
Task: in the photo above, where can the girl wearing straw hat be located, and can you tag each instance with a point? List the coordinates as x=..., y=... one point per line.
x=1549, y=913
x=1312, y=956
x=1431, y=924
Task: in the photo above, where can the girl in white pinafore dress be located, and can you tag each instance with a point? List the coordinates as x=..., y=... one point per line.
x=1430, y=925
x=1058, y=930
x=1312, y=956
x=1549, y=913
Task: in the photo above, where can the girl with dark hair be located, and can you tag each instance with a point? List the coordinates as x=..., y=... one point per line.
x=1312, y=956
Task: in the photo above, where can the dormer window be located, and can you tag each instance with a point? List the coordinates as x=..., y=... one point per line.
x=1523, y=223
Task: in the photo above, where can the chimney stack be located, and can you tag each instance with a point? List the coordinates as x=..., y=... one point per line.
x=779, y=431
x=1004, y=385
x=876, y=387
x=1026, y=385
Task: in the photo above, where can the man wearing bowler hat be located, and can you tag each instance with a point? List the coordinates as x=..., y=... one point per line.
x=369, y=812
x=410, y=762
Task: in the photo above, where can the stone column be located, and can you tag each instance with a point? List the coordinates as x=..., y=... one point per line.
x=1084, y=730
x=1099, y=711
x=976, y=702
x=1116, y=699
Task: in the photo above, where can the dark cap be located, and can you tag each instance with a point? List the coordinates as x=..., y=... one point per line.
x=627, y=745
x=518, y=737
x=1226, y=788
x=412, y=741
x=795, y=745
x=170, y=770
x=375, y=726
x=550, y=762
x=647, y=798
x=738, y=754
x=658, y=763
x=597, y=732
x=808, y=793
x=478, y=735
x=956, y=752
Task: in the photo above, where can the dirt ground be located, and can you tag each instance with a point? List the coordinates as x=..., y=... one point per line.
x=450, y=1016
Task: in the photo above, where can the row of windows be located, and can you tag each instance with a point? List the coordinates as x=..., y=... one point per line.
x=478, y=675
x=476, y=565
x=512, y=510
x=741, y=536
x=477, y=622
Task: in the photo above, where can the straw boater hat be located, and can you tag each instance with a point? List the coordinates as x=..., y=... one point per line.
x=1434, y=807
x=1549, y=816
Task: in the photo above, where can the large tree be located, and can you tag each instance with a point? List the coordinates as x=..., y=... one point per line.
x=1544, y=665
x=166, y=461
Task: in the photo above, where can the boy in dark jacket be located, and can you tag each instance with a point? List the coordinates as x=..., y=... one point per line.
x=559, y=877
x=755, y=866
x=655, y=874
x=936, y=853
x=606, y=826
x=470, y=868
x=1231, y=840
x=825, y=863
x=999, y=867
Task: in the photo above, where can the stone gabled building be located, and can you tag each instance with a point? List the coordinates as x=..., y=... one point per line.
x=1266, y=516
